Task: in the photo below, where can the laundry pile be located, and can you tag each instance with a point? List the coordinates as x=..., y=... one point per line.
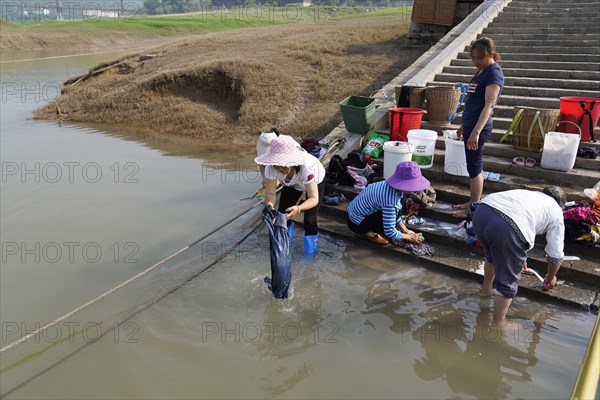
x=582, y=219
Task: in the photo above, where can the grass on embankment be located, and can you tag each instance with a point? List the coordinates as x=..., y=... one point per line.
x=214, y=21
x=229, y=85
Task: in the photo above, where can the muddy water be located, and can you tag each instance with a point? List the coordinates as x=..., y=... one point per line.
x=84, y=207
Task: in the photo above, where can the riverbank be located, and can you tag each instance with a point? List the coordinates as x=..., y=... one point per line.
x=96, y=33
x=227, y=86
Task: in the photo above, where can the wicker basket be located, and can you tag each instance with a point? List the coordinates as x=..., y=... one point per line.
x=532, y=139
x=417, y=97
x=442, y=102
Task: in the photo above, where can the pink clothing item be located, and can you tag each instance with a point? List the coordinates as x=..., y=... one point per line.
x=361, y=181
x=584, y=214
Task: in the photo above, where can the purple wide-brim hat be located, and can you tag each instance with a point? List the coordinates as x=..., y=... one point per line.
x=408, y=178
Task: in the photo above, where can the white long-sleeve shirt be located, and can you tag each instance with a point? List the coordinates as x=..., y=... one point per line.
x=534, y=213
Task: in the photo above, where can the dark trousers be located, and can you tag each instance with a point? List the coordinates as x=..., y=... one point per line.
x=289, y=197
x=371, y=223
x=474, y=158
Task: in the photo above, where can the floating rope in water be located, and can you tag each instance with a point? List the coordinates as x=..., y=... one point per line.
x=128, y=281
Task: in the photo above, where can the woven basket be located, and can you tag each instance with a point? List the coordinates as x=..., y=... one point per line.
x=442, y=102
x=417, y=97
x=534, y=141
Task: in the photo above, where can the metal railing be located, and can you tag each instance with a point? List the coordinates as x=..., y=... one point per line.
x=589, y=372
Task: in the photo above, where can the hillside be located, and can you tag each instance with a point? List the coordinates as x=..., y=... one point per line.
x=229, y=85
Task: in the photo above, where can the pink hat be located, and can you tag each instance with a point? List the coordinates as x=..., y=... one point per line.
x=284, y=151
x=408, y=178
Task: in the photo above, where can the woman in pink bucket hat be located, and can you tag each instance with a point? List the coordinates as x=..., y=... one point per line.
x=374, y=212
x=298, y=171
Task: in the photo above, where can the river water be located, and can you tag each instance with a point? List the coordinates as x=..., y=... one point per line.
x=85, y=207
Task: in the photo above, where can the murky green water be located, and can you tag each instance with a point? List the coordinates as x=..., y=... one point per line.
x=86, y=207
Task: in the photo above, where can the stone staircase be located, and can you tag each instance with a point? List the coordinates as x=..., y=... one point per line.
x=549, y=49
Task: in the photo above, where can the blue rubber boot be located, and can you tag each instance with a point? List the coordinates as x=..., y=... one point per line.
x=310, y=248
x=291, y=233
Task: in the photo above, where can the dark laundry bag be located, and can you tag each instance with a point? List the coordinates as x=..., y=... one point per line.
x=281, y=259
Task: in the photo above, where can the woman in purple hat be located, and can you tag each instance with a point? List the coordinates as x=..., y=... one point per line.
x=374, y=212
x=298, y=171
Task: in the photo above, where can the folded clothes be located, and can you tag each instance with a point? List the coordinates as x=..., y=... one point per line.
x=491, y=176
x=333, y=199
x=588, y=152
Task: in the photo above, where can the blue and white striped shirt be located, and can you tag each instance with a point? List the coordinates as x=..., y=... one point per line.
x=378, y=196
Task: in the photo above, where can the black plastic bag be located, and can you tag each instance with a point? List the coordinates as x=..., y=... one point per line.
x=281, y=259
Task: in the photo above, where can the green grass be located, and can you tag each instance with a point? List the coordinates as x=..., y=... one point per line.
x=202, y=23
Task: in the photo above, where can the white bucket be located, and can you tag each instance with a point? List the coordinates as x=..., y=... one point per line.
x=455, y=161
x=424, y=142
x=394, y=153
x=264, y=142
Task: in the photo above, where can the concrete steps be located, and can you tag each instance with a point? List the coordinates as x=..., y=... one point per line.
x=592, y=50
x=564, y=42
x=536, y=92
x=494, y=29
x=585, y=271
x=555, y=4
x=531, y=73
x=452, y=260
x=497, y=133
x=534, y=20
x=549, y=49
x=554, y=37
x=579, y=84
x=555, y=57
x=535, y=65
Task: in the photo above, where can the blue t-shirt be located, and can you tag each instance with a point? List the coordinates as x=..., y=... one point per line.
x=476, y=95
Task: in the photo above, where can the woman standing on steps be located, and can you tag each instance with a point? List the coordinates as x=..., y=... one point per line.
x=476, y=127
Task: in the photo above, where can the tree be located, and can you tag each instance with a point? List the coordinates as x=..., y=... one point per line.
x=152, y=7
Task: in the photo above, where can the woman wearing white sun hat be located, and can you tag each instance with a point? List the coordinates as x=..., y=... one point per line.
x=298, y=172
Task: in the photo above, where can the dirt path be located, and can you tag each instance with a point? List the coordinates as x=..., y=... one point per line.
x=14, y=41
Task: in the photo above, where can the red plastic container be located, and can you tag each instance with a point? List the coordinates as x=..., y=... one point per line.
x=401, y=120
x=572, y=109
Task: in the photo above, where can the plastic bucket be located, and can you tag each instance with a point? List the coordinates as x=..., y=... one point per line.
x=358, y=114
x=395, y=152
x=401, y=120
x=424, y=141
x=573, y=109
x=455, y=160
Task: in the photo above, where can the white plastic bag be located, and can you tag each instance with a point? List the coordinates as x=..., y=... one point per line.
x=593, y=192
x=560, y=151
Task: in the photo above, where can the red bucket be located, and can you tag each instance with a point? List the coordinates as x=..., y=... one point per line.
x=583, y=111
x=401, y=120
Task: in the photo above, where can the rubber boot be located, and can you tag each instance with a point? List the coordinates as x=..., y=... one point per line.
x=291, y=233
x=310, y=248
